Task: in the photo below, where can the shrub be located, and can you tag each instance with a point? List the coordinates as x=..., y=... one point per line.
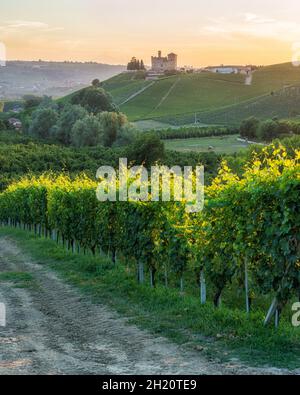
x=42, y=123
x=249, y=127
x=87, y=132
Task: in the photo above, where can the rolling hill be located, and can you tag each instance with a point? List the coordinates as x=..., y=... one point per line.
x=210, y=98
x=19, y=78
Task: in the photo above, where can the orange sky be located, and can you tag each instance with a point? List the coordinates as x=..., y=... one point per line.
x=111, y=31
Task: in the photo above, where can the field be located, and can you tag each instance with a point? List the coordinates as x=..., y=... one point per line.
x=222, y=145
x=210, y=98
x=123, y=86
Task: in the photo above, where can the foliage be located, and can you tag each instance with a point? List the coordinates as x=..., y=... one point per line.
x=125, y=135
x=86, y=132
x=254, y=218
x=2, y=125
x=136, y=64
x=186, y=132
x=249, y=127
x=96, y=83
x=111, y=125
x=268, y=130
x=93, y=99
x=43, y=120
x=146, y=149
x=29, y=156
x=31, y=101
x=68, y=117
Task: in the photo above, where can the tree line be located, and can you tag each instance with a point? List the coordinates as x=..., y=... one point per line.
x=136, y=64
x=268, y=130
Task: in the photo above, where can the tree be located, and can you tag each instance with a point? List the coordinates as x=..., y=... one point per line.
x=126, y=135
x=94, y=100
x=135, y=64
x=268, y=130
x=249, y=127
x=96, y=83
x=132, y=64
x=68, y=117
x=47, y=101
x=146, y=149
x=86, y=132
x=2, y=125
x=31, y=101
x=42, y=122
x=111, y=123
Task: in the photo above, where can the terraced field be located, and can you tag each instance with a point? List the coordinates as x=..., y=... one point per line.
x=210, y=98
x=123, y=86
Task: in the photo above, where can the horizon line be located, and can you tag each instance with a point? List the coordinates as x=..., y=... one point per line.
x=124, y=65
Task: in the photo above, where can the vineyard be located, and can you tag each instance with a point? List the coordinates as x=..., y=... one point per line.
x=210, y=98
x=248, y=232
x=186, y=132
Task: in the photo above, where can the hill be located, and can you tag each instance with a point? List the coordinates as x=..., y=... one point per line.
x=210, y=98
x=55, y=79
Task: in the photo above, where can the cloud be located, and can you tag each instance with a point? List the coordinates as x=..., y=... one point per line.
x=22, y=26
x=26, y=24
x=257, y=19
x=253, y=25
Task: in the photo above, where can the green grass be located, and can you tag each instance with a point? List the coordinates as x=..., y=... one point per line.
x=217, y=99
x=284, y=103
x=151, y=125
x=144, y=105
x=224, y=333
x=20, y=279
x=221, y=145
x=123, y=86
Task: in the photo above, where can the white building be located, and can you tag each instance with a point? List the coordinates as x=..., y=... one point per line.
x=161, y=64
x=229, y=69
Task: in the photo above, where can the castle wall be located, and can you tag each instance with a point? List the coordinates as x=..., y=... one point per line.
x=162, y=64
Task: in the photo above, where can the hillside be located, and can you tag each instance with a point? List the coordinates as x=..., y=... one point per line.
x=50, y=78
x=213, y=98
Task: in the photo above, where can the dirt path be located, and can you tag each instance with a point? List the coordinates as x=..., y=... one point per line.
x=164, y=98
x=248, y=80
x=137, y=93
x=52, y=329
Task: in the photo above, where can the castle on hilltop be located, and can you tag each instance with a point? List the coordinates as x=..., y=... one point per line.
x=162, y=64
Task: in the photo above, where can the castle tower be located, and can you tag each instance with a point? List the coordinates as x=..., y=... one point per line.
x=172, y=61
x=162, y=64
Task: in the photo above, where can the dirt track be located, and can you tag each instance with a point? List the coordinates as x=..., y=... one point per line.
x=52, y=329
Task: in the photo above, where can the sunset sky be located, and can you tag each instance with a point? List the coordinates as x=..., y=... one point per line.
x=111, y=31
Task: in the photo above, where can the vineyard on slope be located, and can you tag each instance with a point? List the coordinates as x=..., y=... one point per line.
x=249, y=230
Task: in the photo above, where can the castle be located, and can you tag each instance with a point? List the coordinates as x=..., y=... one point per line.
x=162, y=64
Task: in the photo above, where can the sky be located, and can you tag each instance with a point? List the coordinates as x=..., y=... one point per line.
x=201, y=32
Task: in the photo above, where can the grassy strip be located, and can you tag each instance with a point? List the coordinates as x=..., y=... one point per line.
x=19, y=279
x=224, y=334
